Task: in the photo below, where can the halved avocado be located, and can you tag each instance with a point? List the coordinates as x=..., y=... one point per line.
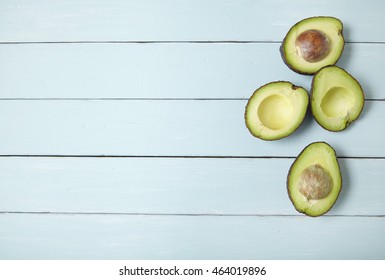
x=276, y=110
x=312, y=44
x=314, y=181
x=337, y=98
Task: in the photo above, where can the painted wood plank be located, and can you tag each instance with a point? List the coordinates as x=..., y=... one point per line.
x=164, y=70
x=175, y=186
x=181, y=237
x=167, y=128
x=101, y=20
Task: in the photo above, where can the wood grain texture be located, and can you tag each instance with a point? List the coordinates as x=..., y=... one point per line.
x=167, y=128
x=106, y=20
x=164, y=70
x=189, y=237
x=225, y=186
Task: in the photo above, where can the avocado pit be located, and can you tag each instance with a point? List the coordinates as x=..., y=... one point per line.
x=313, y=45
x=315, y=182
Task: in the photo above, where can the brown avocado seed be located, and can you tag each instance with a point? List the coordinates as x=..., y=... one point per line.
x=313, y=45
x=315, y=182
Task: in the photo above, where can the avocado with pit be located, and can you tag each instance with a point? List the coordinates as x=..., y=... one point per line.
x=337, y=98
x=314, y=181
x=313, y=43
x=276, y=110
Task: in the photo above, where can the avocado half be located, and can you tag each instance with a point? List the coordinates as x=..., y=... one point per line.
x=276, y=110
x=314, y=181
x=337, y=98
x=313, y=43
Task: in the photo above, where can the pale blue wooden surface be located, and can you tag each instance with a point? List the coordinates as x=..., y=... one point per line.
x=175, y=186
x=167, y=128
x=199, y=70
x=122, y=132
x=175, y=20
x=190, y=237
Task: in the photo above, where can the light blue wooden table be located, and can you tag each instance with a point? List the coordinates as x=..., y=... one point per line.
x=122, y=132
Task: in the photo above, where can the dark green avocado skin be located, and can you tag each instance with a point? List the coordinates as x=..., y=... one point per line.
x=282, y=51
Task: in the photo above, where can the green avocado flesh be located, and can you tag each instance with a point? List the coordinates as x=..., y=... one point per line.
x=314, y=180
x=276, y=110
x=337, y=99
x=312, y=44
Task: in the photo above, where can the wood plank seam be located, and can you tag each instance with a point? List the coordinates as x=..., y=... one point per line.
x=143, y=99
x=183, y=214
x=167, y=42
x=181, y=156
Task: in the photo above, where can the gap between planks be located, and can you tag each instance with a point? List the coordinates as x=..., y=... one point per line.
x=169, y=42
x=181, y=214
x=176, y=157
x=146, y=99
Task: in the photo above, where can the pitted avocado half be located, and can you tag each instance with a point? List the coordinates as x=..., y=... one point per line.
x=312, y=44
x=337, y=98
x=314, y=180
x=276, y=110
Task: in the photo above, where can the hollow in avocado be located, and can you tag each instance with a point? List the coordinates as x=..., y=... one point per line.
x=337, y=98
x=276, y=110
x=314, y=180
x=312, y=44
